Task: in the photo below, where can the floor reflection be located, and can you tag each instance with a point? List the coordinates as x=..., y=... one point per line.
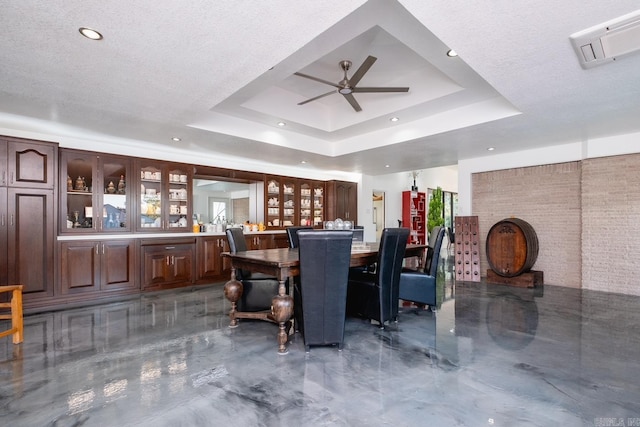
x=488, y=355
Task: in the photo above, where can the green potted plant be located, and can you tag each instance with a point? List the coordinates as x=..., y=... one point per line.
x=435, y=216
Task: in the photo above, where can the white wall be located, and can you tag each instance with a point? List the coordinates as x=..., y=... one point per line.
x=393, y=185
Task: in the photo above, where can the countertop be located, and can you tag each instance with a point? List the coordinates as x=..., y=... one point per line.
x=167, y=235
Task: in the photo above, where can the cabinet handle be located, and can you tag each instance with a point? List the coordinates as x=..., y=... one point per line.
x=11, y=221
x=103, y=249
x=11, y=175
x=169, y=247
x=168, y=260
x=173, y=260
x=2, y=220
x=97, y=248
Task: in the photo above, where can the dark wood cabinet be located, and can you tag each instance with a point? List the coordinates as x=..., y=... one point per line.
x=95, y=192
x=210, y=264
x=27, y=164
x=28, y=216
x=259, y=241
x=167, y=264
x=166, y=196
x=4, y=237
x=294, y=201
x=96, y=265
x=342, y=201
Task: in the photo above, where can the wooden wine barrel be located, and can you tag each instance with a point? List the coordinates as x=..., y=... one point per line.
x=512, y=247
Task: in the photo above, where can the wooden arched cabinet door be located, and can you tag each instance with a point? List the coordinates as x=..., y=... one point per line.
x=30, y=164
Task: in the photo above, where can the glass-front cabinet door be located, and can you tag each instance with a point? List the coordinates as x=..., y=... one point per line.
x=281, y=202
x=179, y=199
x=289, y=202
x=165, y=193
x=114, y=194
x=151, y=191
x=94, y=193
x=306, y=204
x=273, y=203
x=317, y=204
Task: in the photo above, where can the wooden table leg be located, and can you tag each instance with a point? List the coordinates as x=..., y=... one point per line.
x=233, y=292
x=282, y=310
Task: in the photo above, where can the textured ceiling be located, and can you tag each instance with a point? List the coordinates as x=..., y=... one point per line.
x=221, y=79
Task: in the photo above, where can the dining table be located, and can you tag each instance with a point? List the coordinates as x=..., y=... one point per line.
x=284, y=263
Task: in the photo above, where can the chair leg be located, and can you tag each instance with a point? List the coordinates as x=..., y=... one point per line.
x=15, y=305
x=16, y=316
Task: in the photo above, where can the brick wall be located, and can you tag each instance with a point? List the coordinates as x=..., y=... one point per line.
x=549, y=198
x=611, y=224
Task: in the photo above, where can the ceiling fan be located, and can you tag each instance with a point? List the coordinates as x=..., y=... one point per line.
x=348, y=86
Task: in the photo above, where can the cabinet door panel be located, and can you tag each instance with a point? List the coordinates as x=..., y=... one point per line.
x=4, y=221
x=31, y=240
x=79, y=263
x=4, y=171
x=155, y=267
x=181, y=264
x=209, y=259
x=117, y=265
x=31, y=165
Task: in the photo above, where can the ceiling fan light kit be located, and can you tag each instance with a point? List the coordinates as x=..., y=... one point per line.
x=347, y=86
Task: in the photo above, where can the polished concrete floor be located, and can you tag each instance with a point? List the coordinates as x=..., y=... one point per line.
x=489, y=356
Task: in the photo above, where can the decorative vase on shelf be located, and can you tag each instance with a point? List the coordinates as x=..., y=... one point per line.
x=121, y=185
x=111, y=188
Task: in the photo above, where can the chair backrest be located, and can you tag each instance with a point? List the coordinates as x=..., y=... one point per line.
x=235, y=237
x=433, y=267
x=433, y=237
x=292, y=234
x=393, y=244
x=324, y=271
x=451, y=235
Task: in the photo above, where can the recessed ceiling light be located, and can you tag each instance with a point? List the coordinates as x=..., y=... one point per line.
x=394, y=119
x=490, y=149
x=452, y=53
x=386, y=166
x=176, y=139
x=90, y=34
x=281, y=124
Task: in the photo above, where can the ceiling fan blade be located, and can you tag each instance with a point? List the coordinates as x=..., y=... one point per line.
x=306, y=76
x=316, y=97
x=353, y=102
x=380, y=89
x=362, y=70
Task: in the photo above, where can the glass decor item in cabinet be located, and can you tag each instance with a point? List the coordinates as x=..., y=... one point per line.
x=318, y=204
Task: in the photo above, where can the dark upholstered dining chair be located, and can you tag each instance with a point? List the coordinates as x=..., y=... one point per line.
x=428, y=254
x=375, y=295
x=257, y=288
x=292, y=234
x=322, y=289
x=420, y=286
